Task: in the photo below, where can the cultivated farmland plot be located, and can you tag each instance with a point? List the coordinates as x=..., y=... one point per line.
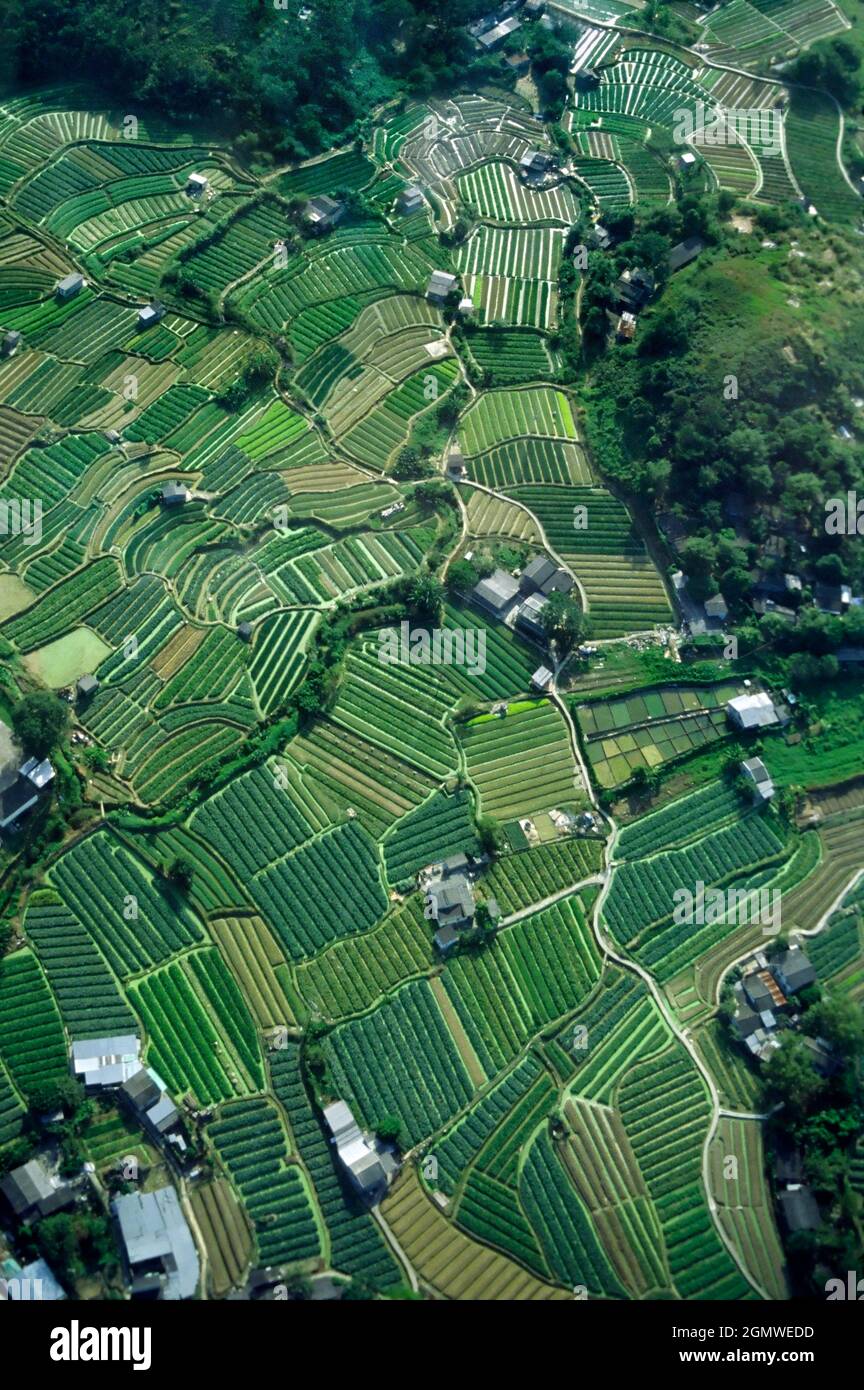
x=261, y=791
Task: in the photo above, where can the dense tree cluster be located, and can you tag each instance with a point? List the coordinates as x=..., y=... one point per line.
x=289, y=77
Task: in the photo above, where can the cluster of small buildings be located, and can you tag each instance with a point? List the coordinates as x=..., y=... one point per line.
x=700, y=619
x=522, y=600
x=755, y=710
x=114, y=1064
x=493, y=29
x=764, y=994
x=634, y=288
x=537, y=168
x=322, y=214
x=369, y=1163
x=448, y=896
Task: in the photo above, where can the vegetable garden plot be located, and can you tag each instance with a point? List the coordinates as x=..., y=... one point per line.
x=348, y=170
x=184, y=1046
x=278, y=657
x=64, y=606
x=496, y=192
x=606, y=181
x=442, y=826
x=497, y=416
x=563, y=1226
x=536, y=971
x=460, y=1145
x=257, y=803
x=401, y=1060
x=521, y=764
x=665, y=1111
x=289, y=893
x=353, y=975
x=685, y=819
x=400, y=708
x=32, y=1042
x=534, y=874
x=642, y=892
x=360, y=776
x=489, y=1210
x=11, y=1110
x=509, y=661
x=250, y=1141
x=528, y=254
x=811, y=140
x=134, y=922
x=531, y=460
x=356, y=1245
x=744, y=1204
x=90, y=1002
x=508, y=357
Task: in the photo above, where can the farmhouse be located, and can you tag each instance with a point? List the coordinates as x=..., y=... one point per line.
x=159, y=1252
x=410, y=200
x=86, y=686
x=323, y=213
x=832, y=598
x=368, y=1170
x=69, y=286
x=33, y=1191
x=493, y=38
x=536, y=573
x=700, y=618
x=752, y=711
x=793, y=970
x=757, y=773
x=450, y=900
x=174, y=494
x=626, y=329
x=10, y=344
x=197, y=184
x=685, y=252
x=441, y=286
x=529, y=617
x=22, y=795
x=103, y=1062
x=599, y=238
x=496, y=593
x=535, y=165
x=145, y=1095
x=151, y=314
x=634, y=288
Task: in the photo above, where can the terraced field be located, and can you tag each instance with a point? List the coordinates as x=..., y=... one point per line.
x=237, y=522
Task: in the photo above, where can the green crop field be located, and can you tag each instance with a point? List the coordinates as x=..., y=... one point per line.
x=254, y=533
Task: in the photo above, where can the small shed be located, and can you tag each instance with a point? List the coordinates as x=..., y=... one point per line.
x=441, y=286
x=197, y=184
x=151, y=314
x=69, y=286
